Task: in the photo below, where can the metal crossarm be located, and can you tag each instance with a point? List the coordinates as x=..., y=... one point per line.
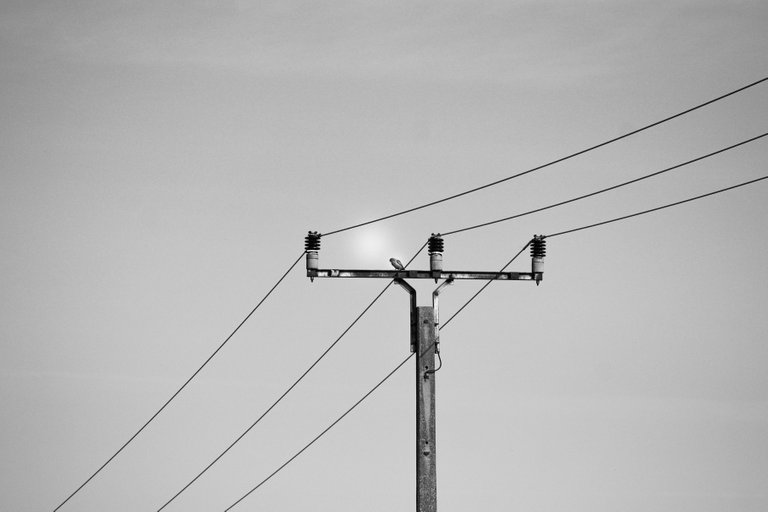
x=421, y=274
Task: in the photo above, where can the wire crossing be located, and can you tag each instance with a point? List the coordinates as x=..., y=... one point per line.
x=601, y=191
x=290, y=388
x=183, y=385
x=553, y=162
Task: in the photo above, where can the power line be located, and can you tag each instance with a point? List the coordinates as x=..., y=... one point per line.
x=290, y=388
x=403, y=212
x=637, y=214
x=374, y=388
x=484, y=286
x=321, y=434
x=267, y=411
x=614, y=187
x=183, y=385
x=624, y=217
x=548, y=164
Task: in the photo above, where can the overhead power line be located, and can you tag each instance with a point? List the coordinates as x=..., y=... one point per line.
x=290, y=388
x=637, y=214
x=548, y=164
x=321, y=434
x=183, y=385
x=483, y=287
x=432, y=203
x=601, y=191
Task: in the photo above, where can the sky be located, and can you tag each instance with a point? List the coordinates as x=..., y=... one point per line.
x=161, y=163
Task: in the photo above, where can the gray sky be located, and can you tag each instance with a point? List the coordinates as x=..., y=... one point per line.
x=161, y=163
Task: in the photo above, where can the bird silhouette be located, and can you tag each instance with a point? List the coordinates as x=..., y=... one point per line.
x=397, y=264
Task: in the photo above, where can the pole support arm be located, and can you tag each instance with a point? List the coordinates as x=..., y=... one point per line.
x=412, y=292
x=435, y=307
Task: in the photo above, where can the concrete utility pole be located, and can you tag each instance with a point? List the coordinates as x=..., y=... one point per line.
x=425, y=339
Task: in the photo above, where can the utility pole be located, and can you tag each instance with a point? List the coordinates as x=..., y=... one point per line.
x=425, y=339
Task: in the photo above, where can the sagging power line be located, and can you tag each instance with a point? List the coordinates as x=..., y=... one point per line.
x=628, y=134
x=607, y=189
x=663, y=207
x=183, y=385
x=550, y=163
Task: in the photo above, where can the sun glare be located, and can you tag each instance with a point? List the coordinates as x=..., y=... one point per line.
x=370, y=247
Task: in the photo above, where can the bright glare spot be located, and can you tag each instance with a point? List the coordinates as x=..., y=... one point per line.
x=371, y=247
x=370, y=243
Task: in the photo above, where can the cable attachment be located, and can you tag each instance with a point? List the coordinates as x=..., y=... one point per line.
x=432, y=372
x=538, y=251
x=312, y=247
x=435, y=247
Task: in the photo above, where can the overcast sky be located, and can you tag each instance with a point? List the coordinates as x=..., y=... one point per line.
x=161, y=163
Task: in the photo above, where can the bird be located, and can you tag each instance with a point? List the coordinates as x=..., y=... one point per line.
x=397, y=264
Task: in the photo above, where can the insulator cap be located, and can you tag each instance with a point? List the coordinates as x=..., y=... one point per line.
x=538, y=247
x=435, y=244
x=312, y=241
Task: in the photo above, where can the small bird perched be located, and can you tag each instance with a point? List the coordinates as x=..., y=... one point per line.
x=397, y=264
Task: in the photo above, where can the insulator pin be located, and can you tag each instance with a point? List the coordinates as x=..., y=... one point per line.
x=435, y=247
x=311, y=247
x=538, y=251
x=538, y=246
